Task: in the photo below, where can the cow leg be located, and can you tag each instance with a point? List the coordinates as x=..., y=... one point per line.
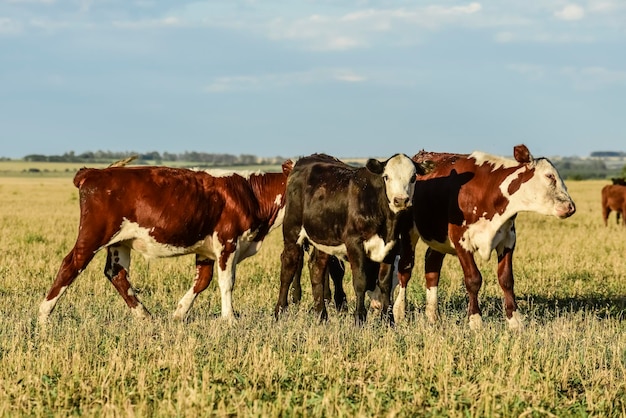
x=204, y=274
x=433, y=261
x=473, y=283
x=116, y=269
x=318, y=267
x=361, y=266
x=291, y=259
x=382, y=300
x=226, y=278
x=505, y=278
x=403, y=266
x=606, y=210
x=336, y=271
x=296, y=284
x=71, y=266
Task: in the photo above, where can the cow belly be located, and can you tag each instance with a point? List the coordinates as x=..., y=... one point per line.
x=375, y=247
x=139, y=239
x=442, y=247
x=336, y=250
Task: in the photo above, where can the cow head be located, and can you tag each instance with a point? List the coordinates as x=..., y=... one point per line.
x=399, y=174
x=544, y=188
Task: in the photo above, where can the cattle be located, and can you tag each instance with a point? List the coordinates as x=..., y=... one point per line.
x=613, y=199
x=164, y=212
x=348, y=212
x=467, y=205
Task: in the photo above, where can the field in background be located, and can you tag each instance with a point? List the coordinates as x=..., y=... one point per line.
x=34, y=170
x=95, y=359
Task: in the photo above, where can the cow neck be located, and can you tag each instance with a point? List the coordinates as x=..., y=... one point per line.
x=267, y=188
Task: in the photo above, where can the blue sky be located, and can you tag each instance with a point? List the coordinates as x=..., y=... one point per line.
x=352, y=78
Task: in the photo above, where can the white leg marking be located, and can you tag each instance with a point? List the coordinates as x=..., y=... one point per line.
x=516, y=322
x=185, y=304
x=226, y=280
x=46, y=307
x=432, y=311
x=140, y=312
x=399, y=305
x=475, y=322
x=375, y=298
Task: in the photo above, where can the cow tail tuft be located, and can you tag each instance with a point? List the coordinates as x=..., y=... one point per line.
x=122, y=163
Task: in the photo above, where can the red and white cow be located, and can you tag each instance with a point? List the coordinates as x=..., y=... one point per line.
x=164, y=212
x=613, y=199
x=348, y=212
x=467, y=205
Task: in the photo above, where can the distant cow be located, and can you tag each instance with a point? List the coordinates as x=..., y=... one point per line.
x=468, y=205
x=352, y=213
x=163, y=212
x=613, y=199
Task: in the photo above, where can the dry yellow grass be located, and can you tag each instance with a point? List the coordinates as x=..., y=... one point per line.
x=96, y=360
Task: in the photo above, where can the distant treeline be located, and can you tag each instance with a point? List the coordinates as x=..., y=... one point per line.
x=570, y=168
x=154, y=156
x=584, y=169
x=606, y=154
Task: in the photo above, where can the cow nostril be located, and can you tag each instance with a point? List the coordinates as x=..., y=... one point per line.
x=400, y=201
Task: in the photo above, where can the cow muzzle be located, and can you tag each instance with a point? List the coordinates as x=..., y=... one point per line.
x=402, y=202
x=566, y=209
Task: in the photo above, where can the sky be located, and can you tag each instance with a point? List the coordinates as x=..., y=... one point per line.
x=351, y=78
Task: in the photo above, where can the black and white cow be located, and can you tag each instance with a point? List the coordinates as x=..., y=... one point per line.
x=348, y=212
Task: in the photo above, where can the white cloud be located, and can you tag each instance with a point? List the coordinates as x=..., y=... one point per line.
x=31, y=1
x=530, y=71
x=542, y=37
x=594, y=78
x=570, y=12
x=585, y=78
x=362, y=28
x=604, y=6
x=270, y=81
x=9, y=26
x=168, y=21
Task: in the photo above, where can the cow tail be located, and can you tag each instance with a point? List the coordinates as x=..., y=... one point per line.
x=122, y=163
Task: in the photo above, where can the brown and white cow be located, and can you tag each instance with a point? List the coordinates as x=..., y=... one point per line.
x=467, y=205
x=613, y=199
x=164, y=212
x=347, y=212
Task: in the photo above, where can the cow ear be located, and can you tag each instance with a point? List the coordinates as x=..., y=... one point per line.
x=287, y=167
x=375, y=166
x=424, y=167
x=521, y=154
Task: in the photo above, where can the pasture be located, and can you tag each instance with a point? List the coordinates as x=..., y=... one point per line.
x=95, y=359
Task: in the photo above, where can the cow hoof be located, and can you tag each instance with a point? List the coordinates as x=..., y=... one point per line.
x=515, y=321
x=140, y=312
x=432, y=314
x=475, y=322
x=42, y=320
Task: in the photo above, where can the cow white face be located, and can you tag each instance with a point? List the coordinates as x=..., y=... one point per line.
x=546, y=192
x=399, y=175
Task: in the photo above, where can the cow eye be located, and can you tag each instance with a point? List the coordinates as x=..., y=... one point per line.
x=551, y=178
x=385, y=177
x=413, y=179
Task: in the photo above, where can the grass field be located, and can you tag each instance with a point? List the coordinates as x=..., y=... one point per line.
x=96, y=360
